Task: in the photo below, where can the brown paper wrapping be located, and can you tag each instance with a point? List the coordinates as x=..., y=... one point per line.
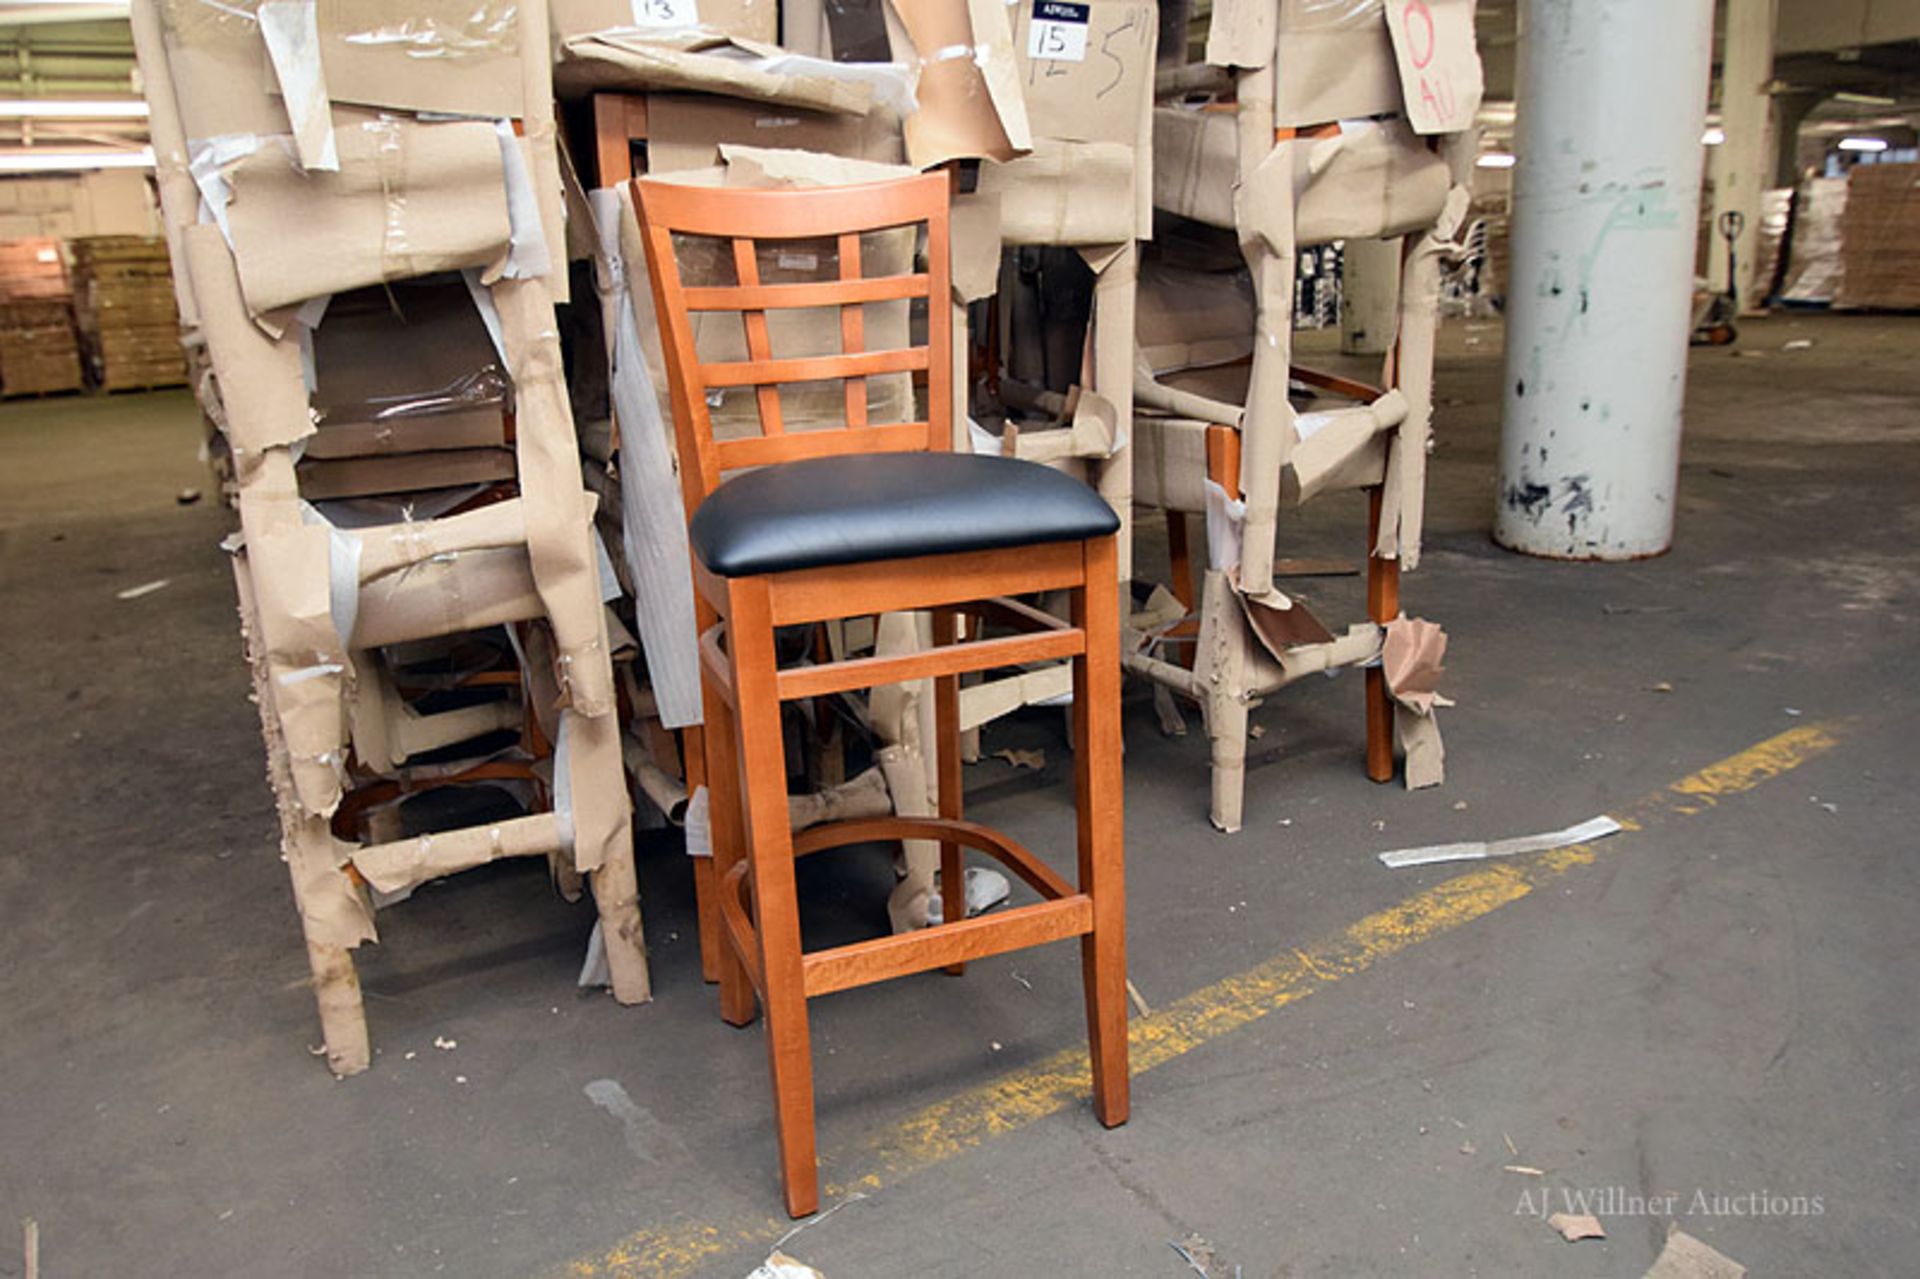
x=969, y=88
x=458, y=57
x=697, y=61
x=558, y=538
x=409, y=199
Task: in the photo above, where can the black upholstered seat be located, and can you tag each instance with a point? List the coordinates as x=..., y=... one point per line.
x=876, y=506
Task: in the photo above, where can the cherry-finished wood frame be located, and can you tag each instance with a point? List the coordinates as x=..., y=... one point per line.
x=753, y=844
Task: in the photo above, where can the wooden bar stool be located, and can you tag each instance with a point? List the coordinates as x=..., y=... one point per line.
x=860, y=519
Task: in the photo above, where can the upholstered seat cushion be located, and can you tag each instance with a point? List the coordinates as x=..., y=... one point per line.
x=876, y=506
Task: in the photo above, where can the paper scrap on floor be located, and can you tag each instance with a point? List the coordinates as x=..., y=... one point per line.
x=1476, y=850
x=779, y=1265
x=1574, y=1227
x=1685, y=1257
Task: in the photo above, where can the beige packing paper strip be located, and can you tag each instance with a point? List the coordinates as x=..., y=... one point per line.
x=1404, y=495
x=654, y=521
x=1411, y=658
x=541, y=141
x=1371, y=181
x=334, y=911
x=1266, y=239
x=264, y=402
x=262, y=390
x=903, y=721
x=559, y=539
x=971, y=104
x=408, y=863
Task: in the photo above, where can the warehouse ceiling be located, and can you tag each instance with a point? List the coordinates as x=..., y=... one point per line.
x=1865, y=51
x=41, y=58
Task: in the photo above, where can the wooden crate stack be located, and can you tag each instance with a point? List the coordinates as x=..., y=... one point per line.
x=1880, y=238
x=123, y=295
x=39, y=354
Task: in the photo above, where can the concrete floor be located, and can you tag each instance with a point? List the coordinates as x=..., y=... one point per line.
x=1721, y=1004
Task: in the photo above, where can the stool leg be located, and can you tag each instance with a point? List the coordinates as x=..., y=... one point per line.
x=1100, y=803
x=1383, y=605
x=706, y=900
x=763, y=781
x=721, y=766
x=946, y=714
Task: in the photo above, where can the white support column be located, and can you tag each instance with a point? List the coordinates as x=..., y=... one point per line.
x=1369, y=295
x=1741, y=166
x=1612, y=99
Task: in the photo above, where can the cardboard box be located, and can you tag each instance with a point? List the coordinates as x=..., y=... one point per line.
x=1880, y=237
x=686, y=131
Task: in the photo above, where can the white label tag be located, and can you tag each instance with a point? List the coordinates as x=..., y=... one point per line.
x=665, y=13
x=1059, y=32
x=1440, y=73
x=797, y=261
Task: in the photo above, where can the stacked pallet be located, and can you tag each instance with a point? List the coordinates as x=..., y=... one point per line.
x=38, y=351
x=1880, y=238
x=123, y=300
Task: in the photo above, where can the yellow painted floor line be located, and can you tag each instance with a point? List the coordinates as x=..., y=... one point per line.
x=1017, y=1099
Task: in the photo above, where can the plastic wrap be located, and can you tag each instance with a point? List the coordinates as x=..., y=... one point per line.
x=409, y=392
x=455, y=56
x=1776, y=211
x=1813, y=253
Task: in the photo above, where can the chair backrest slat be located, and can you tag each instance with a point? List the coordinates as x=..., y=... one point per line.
x=813, y=368
x=746, y=268
x=853, y=331
x=805, y=293
x=750, y=220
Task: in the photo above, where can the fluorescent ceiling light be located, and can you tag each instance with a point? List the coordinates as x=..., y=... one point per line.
x=23, y=13
x=1863, y=144
x=1864, y=99
x=73, y=161
x=1495, y=160
x=1714, y=136
x=72, y=109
